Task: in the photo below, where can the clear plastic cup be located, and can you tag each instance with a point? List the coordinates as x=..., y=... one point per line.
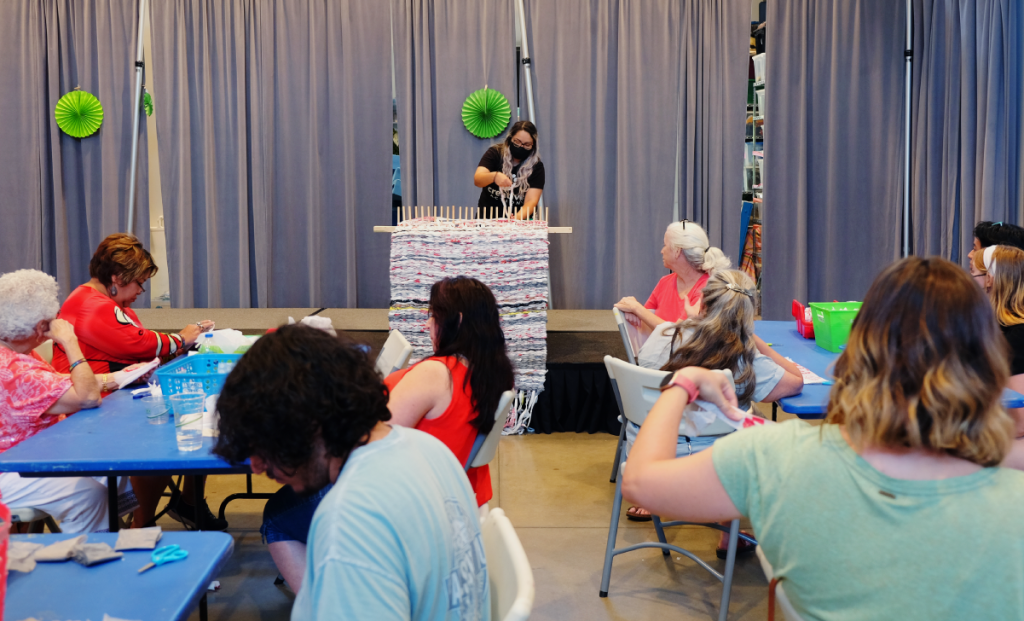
x=188, y=420
x=158, y=410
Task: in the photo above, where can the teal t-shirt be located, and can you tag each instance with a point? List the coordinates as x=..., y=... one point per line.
x=397, y=537
x=854, y=544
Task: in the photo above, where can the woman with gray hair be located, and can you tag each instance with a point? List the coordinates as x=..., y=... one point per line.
x=677, y=296
x=34, y=396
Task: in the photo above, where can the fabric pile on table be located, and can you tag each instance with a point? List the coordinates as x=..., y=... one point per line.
x=510, y=257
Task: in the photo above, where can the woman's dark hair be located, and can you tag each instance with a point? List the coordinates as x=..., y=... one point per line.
x=466, y=315
x=521, y=126
x=999, y=233
x=121, y=255
x=294, y=386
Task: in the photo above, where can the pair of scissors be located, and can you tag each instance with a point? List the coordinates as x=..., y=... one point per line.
x=164, y=555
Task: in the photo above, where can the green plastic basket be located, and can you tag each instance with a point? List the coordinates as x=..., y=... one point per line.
x=832, y=322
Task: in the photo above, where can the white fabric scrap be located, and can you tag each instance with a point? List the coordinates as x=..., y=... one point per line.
x=20, y=556
x=138, y=538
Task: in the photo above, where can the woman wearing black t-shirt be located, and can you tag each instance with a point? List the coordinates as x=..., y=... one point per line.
x=512, y=168
x=1005, y=265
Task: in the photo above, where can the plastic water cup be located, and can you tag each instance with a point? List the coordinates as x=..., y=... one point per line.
x=158, y=410
x=188, y=420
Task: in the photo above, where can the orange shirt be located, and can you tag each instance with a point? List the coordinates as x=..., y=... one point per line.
x=455, y=426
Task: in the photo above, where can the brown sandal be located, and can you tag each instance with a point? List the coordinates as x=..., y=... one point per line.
x=638, y=514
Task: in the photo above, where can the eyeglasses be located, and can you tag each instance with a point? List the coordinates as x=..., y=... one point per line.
x=522, y=146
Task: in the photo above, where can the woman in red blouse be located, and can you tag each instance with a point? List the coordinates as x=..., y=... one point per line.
x=692, y=259
x=112, y=338
x=453, y=394
x=33, y=396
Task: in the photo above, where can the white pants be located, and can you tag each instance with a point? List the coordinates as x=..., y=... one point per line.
x=78, y=503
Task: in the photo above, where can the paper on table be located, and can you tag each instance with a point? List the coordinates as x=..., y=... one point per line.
x=748, y=420
x=810, y=377
x=123, y=378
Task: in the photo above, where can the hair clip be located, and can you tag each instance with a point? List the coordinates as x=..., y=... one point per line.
x=732, y=287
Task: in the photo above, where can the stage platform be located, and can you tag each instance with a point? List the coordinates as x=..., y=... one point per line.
x=577, y=394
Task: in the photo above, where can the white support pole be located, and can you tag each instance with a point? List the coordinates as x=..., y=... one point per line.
x=136, y=110
x=908, y=65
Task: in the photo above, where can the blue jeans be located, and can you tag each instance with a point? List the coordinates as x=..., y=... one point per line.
x=288, y=516
x=684, y=445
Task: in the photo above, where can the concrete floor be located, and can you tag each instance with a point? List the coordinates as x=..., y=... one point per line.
x=555, y=490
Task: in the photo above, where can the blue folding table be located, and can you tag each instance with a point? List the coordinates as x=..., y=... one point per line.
x=812, y=402
x=114, y=440
x=69, y=590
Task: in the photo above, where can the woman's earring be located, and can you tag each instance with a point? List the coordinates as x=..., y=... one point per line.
x=113, y=289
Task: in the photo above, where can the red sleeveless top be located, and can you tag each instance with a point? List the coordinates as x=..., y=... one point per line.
x=455, y=427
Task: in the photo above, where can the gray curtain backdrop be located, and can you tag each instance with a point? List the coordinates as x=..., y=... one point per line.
x=833, y=149
x=277, y=143
x=445, y=50
x=967, y=98
x=618, y=86
x=63, y=195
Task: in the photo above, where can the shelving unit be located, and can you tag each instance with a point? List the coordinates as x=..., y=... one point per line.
x=753, y=172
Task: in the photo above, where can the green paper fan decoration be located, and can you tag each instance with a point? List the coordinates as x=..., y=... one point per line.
x=486, y=113
x=147, y=103
x=79, y=114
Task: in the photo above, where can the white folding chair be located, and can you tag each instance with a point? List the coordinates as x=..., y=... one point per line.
x=639, y=388
x=395, y=354
x=35, y=518
x=511, y=578
x=486, y=444
x=788, y=610
x=631, y=342
x=45, y=350
x=630, y=336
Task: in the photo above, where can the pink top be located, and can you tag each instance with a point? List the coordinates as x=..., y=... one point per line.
x=665, y=301
x=28, y=387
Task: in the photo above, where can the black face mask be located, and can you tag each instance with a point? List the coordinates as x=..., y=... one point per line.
x=519, y=153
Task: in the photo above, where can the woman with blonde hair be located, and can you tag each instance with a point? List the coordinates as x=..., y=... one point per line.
x=1004, y=271
x=895, y=507
x=720, y=337
x=692, y=259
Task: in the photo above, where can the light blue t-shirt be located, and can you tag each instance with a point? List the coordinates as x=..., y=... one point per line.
x=398, y=537
x=853, y=544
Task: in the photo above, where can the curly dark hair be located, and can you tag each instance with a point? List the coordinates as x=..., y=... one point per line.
x=466, y=315
x=121, y=255
x=294, y=386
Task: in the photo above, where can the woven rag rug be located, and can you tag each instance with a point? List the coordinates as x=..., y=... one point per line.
x=510, y=257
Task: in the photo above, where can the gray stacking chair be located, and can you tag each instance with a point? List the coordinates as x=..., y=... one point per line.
x=639, y=388
x=486, y=444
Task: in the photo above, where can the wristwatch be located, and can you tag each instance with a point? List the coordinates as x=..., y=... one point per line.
x=676, y=379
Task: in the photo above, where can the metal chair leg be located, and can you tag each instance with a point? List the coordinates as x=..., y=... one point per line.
x=613, y=530
x=661, y=533
x=730, y=564
x=618, y=451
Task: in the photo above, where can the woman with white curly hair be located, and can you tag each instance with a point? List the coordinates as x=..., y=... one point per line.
x=34, y=396
x=677, y=296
